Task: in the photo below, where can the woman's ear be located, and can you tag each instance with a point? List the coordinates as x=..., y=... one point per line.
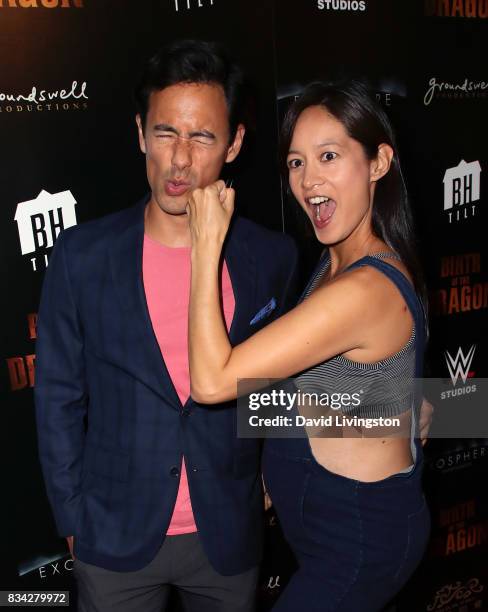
x=381, y=164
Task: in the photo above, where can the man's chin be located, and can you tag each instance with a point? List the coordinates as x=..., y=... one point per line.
x=175, y=209
x=176, y=213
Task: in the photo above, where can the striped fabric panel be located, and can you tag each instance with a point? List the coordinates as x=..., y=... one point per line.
x=387, y=385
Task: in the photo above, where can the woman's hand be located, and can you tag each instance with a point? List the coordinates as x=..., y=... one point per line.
x=210, y=210
x=426, y=414
x=267, y=499
x=69, y=539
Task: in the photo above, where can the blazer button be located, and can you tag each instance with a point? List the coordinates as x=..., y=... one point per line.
x=174, y=471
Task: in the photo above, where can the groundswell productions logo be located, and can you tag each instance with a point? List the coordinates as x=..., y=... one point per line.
x=188, y=5
x=48, y=4
x=463, y=89
x=342, y=5
x=475, y=9
x=39, y=222
x=37, y=99
x=459, y=367
x=462, y=190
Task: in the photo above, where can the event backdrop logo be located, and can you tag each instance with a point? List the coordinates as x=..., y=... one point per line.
x=390, y=91
x=21, y=369
x=459, y=367
x=37, y=100
x=187, y=5
x=41, y=4
x=453, y=596
x=47, y=567
x=341, y=5
x=461, y=189
x=40, y=220
x=460, y=364
x=460, y=90
x=464, y=455
x=458, y=528
x=456, y=8
x=463, y=293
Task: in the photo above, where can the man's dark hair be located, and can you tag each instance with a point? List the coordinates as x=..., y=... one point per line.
x=193, y=61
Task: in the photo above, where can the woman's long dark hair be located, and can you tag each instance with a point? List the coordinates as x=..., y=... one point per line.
x=365, y=121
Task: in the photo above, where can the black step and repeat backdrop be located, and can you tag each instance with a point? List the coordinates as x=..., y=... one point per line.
x=70, y=153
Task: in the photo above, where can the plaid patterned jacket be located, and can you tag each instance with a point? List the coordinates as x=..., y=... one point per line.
x=111, y=428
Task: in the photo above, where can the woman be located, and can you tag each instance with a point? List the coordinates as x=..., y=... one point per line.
x=351, y=506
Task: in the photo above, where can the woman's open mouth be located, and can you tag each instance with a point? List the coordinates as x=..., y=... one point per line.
x=322, y=209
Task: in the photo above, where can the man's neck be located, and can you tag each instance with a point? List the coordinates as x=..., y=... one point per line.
x=170, y=230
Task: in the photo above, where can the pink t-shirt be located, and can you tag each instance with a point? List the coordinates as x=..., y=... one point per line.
x=167, y=274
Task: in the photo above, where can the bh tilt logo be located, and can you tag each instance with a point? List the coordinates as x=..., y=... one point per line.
x=40, y=220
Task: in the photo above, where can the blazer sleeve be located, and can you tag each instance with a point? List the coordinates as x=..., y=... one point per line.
x=60, y=391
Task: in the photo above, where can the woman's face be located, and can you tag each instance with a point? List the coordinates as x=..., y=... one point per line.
x=330, y=176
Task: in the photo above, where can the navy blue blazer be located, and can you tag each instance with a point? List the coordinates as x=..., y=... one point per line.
x=111, y=428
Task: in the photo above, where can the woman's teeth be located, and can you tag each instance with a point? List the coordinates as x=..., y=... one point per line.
x=318, y=200
x=324, y=207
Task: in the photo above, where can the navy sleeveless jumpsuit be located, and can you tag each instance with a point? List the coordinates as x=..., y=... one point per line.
x=356, y=543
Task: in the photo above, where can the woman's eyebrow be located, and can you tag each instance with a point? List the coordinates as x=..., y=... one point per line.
x=327, y=143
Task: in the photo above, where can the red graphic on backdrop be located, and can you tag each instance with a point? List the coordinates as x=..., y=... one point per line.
x=462, y=293
x=21, y=372
x=21, y=369
x=32, y=324
x=457, y=8
x=460, y=528
x=464, y=531
x=41, y=4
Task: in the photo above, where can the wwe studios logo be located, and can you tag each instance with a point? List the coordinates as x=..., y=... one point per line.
x=460, y=364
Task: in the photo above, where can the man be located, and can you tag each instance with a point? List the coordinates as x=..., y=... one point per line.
x=150, y=488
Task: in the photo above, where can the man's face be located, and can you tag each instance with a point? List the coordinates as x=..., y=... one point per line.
x=186, y=141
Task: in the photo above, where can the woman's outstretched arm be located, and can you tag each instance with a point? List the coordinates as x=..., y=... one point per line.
x=331, y=321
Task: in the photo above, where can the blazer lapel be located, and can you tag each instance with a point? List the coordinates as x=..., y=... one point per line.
x=126, y=262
